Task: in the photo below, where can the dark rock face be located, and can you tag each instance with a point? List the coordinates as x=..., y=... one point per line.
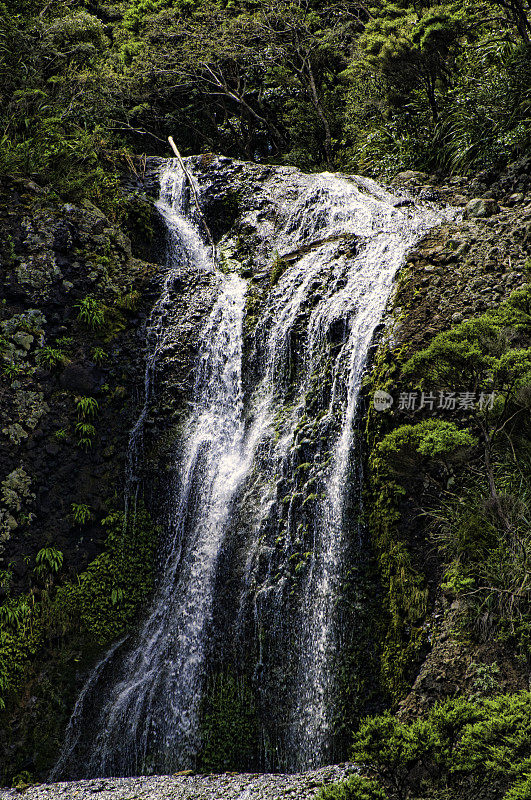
x=79, y=378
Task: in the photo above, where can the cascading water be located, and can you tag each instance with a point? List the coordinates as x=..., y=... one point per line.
x=338, y=291
x=270, y=468
x=184, y=248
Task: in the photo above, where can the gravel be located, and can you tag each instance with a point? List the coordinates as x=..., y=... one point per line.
x=229, y=786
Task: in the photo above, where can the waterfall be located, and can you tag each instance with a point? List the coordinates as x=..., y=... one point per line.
x=184, y=248
x=266, y=473
x=338, y=290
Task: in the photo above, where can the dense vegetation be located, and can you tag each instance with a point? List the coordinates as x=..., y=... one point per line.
x=64, y=623
x=477, y=472
x=369, y=87
x=467, y=481
x=463, y=747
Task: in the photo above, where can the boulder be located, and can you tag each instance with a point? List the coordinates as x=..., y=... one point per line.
x=410, y=175
x=480, y=207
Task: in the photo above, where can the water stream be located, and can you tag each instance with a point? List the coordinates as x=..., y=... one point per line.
x=277, y=463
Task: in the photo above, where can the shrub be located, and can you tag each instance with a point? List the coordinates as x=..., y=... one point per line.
x=461, y=744
x=353, y=788
x=431, y=438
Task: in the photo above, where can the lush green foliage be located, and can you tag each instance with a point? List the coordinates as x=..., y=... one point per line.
x=86, y=406
x=97, y=605
x=460, y=746
x=376, y=86
x=482, y=522
x=49, y=561
x=466, y=480
x=431, y=438
x=354, y=788
x=439, y=85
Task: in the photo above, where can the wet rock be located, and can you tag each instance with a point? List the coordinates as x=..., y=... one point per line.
x=404, y=203
x=27, y=185
x=62, y=241
x=78, y=378
x=410, y=175
x=514, y=199
x=480, y=207
x=430, y=195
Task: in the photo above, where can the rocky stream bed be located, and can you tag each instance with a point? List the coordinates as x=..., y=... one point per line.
x=229, y=786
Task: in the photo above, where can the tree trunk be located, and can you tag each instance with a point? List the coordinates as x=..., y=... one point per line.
x=321, y=115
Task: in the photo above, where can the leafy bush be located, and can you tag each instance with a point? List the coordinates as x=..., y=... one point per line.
x=432, y=438
x=465, y=481
x=461, y=744
x=521, y=790
x=353, y=788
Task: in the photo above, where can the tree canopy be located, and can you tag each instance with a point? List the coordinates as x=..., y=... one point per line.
x=371, y=87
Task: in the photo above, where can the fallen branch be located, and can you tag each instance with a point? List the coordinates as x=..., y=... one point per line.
x=194, y=194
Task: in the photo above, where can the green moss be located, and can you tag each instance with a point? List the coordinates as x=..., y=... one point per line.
x=278, y=268
x=254, y=300
x=229, y=724
x=139, y=217
x=405, y=593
